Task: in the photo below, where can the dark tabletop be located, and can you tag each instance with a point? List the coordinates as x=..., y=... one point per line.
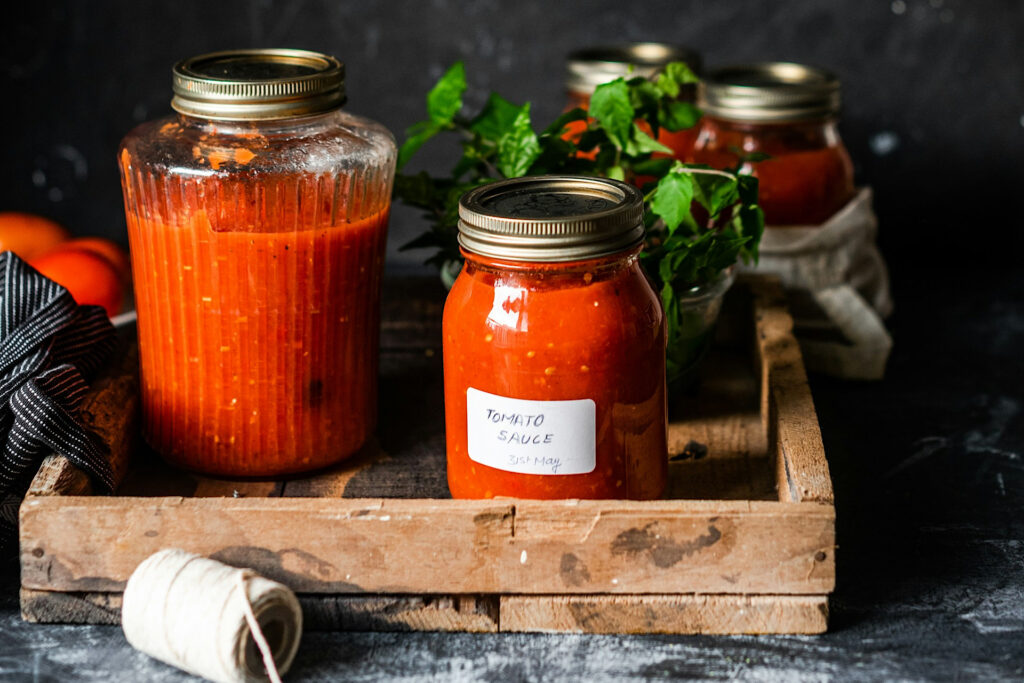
x=929, y=485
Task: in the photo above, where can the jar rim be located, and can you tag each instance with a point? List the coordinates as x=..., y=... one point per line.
x=258, y=84
x=769, y=92
x=589, y=67
x=551, y=218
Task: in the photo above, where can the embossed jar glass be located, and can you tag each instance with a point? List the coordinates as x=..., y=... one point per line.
x=257, y=217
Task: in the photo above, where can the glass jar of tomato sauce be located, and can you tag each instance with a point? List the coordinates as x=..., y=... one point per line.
x=593, y=66
x=554, y=345
x=257, y=217
x=789, y=113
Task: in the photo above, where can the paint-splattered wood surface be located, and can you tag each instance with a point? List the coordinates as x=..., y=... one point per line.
x=748, y=513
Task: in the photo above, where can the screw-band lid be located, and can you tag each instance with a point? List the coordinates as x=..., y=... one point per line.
x=590, y=67
x=769, y=92
x=245, y=85
x=551, y=218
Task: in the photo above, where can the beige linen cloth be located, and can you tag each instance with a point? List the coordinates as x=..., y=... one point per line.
x=838, y=288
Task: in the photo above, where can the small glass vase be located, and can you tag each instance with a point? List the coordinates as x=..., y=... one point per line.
x=450, y=270
x=688, y=343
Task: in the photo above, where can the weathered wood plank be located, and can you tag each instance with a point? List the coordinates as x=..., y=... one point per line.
x=419, y=546
x=469, y=613
x=689, y=614
x=716, y=440
x=791, y=422
x=111, y=411
x=54, y=607
x=682, y=614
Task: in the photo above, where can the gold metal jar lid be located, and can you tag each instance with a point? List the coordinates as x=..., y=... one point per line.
x=769, y=92
x=593, y=66
x=248, y=85
x=551, y=218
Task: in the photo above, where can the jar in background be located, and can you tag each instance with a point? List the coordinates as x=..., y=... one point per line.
x=257, y=217
x=590, y=67
x=789, y=112
x=554, y=345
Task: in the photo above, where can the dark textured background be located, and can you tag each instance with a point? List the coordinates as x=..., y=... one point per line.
x=928, y=465
x=934, y=89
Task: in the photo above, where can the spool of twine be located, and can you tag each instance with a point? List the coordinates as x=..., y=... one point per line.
x=222, y=623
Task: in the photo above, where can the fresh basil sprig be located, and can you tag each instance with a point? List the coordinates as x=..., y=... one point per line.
x=686, y=247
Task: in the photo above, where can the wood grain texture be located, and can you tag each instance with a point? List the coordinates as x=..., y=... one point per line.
x=375, y=543
x=469, y=613
x=790, y=419
x=411, y=546
x=111, y=411
x=682, y=614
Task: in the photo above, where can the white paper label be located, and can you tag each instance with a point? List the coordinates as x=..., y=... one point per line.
x=532, y=437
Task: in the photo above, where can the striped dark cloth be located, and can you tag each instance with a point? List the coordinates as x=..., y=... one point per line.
x=49, y=347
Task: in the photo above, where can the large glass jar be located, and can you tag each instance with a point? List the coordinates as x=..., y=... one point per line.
x=257, y=218
x=593, y=66
x=787, y=112
x=554, y=346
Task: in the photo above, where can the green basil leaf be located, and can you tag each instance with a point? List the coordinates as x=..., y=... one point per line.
x=645, y=144
x=716, y=192
x=416, y=190
x=416, y=136
x=654, y=167
x=610, y=105
x=496, y=118
x=445, y=99
x=676, y=115
x=672, y=199
x=645, y=98
x=673, y=77
x=751, y=218
x=519, y=147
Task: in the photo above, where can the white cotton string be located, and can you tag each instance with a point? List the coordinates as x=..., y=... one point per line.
x=257, y=632
x=210, y=619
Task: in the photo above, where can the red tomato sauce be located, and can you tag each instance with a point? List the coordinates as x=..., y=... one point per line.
x=258, y=324
x=560, y=332
x=808, y=178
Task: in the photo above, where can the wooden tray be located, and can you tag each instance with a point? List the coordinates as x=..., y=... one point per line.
x=743, y=543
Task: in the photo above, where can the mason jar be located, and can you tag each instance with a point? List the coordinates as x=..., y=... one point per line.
x=778, y=120
x=554, y=345
x=257, y=216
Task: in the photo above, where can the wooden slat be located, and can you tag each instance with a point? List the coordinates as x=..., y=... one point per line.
x=110, y=410
x=54, y=607
x=682, y=614
x=689, y=614
x=58, y=477
x=791, y=422
x=411, y=546
x=469, y=613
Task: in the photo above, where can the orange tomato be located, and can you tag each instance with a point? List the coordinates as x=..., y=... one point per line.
x=88, y=276
x=29, y=235
x=117, y=256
